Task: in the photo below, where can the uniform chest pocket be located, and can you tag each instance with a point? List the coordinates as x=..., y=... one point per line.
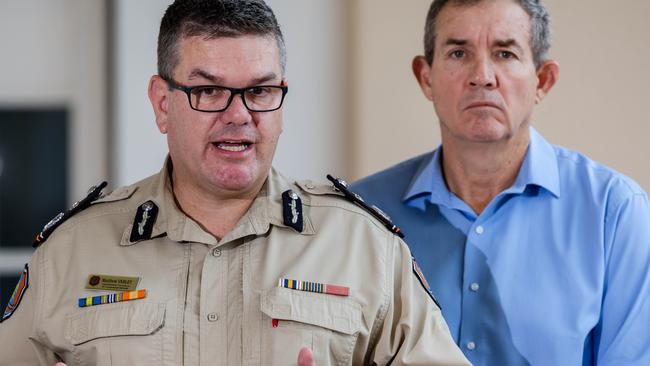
x=327, y=324
x=117, y=334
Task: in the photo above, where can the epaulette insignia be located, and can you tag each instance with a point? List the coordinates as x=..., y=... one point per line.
x=292, y=210
x=342, y=186
x=17, y=296
x=423, y=281
x=143, y=222
x=94, y=193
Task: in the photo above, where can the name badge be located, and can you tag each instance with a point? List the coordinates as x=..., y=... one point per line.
x=111, y=283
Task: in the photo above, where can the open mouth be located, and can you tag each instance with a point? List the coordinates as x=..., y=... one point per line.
x=232, y=146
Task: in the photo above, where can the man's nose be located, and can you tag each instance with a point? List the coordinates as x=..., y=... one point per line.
x=237, y=113
x=483, y=75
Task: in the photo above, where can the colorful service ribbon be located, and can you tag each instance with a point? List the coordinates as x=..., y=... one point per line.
x=320, y=288
x=111, y=298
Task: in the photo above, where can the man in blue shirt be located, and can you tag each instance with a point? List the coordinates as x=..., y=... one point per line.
x=537, y=254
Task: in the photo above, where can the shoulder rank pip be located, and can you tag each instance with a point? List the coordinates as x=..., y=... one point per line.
x=93, y=194
x=342, y=186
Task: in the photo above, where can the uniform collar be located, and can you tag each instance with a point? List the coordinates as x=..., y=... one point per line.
x=265, y=211
x=539, y=168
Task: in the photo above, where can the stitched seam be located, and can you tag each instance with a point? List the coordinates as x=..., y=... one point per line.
x=383, y=310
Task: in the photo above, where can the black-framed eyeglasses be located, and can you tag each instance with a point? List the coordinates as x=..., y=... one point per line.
x=216, y=98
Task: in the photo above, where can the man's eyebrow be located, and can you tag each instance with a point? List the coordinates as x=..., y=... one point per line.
x=507, y=43
x=455, y=42
x=198, y=73
x=263, y=79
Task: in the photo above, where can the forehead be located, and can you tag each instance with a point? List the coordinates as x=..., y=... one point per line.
x=228, y=58
x=487, y=20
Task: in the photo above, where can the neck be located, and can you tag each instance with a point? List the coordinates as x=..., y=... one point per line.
x=478, y=172
x=218, y=215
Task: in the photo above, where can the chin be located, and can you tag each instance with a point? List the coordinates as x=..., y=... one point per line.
x=235, y=180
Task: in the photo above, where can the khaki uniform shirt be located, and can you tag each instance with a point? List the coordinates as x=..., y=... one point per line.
x=217, y=302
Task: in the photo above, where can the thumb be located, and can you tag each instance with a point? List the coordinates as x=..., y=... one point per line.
x=305, y=357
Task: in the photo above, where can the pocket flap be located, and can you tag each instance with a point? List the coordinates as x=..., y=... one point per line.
x=128, y=319
x=339, y=314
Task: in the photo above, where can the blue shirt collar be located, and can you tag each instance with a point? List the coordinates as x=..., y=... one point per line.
x=539, y=168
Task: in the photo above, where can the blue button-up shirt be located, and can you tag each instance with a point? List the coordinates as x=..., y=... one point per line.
x=554, y=271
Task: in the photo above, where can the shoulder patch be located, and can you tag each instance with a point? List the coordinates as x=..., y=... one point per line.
x=342, y=186
x=423, y=281
x=17, y=296
x=93, y=194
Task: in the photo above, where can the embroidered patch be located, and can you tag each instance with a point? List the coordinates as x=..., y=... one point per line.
x=143, y=222
x=423, y=281
x=17, y=296
x=292, y=210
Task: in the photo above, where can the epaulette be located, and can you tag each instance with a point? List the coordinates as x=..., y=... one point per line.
x=94, y=193
x=342, y=186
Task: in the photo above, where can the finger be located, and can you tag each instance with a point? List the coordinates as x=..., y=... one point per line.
x=305, y=357
x=60, y=364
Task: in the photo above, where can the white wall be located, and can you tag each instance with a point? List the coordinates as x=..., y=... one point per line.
x=313, y=141
x=52, y=54
x=138, y=148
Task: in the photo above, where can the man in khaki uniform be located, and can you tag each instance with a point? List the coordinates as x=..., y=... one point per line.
x=219, y=259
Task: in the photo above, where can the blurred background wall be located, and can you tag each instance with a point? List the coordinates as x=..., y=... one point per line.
x=353, y=106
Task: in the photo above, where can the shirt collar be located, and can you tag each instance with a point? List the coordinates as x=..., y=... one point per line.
x=265, y=211
x=539, y=168
x=428, y=183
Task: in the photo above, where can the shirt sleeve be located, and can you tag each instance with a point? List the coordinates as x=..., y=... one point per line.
x=413, y=331
x=621, y=337
x=17, y=342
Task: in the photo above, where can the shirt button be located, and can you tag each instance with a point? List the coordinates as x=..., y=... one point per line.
x=213, y=317
x=216, y=252
x=479, y=229
x=471, y=345
x=474, y=286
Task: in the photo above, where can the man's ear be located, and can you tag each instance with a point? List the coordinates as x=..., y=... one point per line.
x=547, y=75
x=158, y=95
x=422, y=73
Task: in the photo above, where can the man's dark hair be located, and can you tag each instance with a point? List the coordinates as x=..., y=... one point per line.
x=540, y=32
x=213, y=19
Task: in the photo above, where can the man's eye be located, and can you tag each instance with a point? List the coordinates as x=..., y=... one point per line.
x=506, y=54
x=259, y=91
x=457, y=54
x=209, y=92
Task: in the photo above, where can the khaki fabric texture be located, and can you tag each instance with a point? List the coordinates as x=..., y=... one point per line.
x=213, y=302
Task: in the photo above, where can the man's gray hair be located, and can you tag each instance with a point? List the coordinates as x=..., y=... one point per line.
x=540, y=32
x=213, y=19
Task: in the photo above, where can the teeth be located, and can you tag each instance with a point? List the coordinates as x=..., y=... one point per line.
x=234, y=148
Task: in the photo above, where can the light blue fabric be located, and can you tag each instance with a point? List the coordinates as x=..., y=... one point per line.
x=555, y=270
